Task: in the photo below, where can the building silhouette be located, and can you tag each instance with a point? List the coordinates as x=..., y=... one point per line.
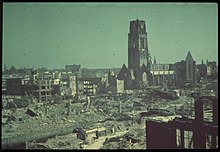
x=186, y=133
x=139, y=60
x=138, y=53
x=142, y=72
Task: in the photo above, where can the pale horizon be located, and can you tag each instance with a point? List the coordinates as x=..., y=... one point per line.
x=95, y=35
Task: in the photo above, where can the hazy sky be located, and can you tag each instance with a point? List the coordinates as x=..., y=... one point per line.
x=95, y=35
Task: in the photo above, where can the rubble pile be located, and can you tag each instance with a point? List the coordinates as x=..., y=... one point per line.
x=69, y=141
x=134, y=139
x=52, y=124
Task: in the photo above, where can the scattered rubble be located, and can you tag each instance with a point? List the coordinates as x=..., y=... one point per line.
x=117, y=113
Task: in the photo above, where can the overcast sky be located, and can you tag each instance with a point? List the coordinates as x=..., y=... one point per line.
x=95, y=35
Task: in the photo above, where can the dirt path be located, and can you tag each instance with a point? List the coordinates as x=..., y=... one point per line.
x=99, y=143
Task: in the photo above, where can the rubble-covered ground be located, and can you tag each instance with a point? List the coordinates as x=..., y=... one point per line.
x=53, y=124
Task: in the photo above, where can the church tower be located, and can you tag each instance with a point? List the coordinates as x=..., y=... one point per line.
x=137, y=47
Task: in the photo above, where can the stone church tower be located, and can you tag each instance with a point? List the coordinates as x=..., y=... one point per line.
x=138, y=54
x=138, y=74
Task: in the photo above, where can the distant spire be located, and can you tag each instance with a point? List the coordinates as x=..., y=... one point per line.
x=155, y=60
x=109, y=72
x=189, y=55
x=5, y=67
x=202, y=62
x=207, y=61
x=124, y=66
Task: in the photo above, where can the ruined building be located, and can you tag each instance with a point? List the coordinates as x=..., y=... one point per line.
x=76, y=69
x=208, y=70
x=187, y=133
x=186, y=71
x=212, y=69
x=176, y=74
x=163, y=74
x=43, y=90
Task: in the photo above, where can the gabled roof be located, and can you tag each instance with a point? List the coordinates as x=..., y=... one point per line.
x=144, y=69
x=123, y=73
x=189, y=56
x=12, y=68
